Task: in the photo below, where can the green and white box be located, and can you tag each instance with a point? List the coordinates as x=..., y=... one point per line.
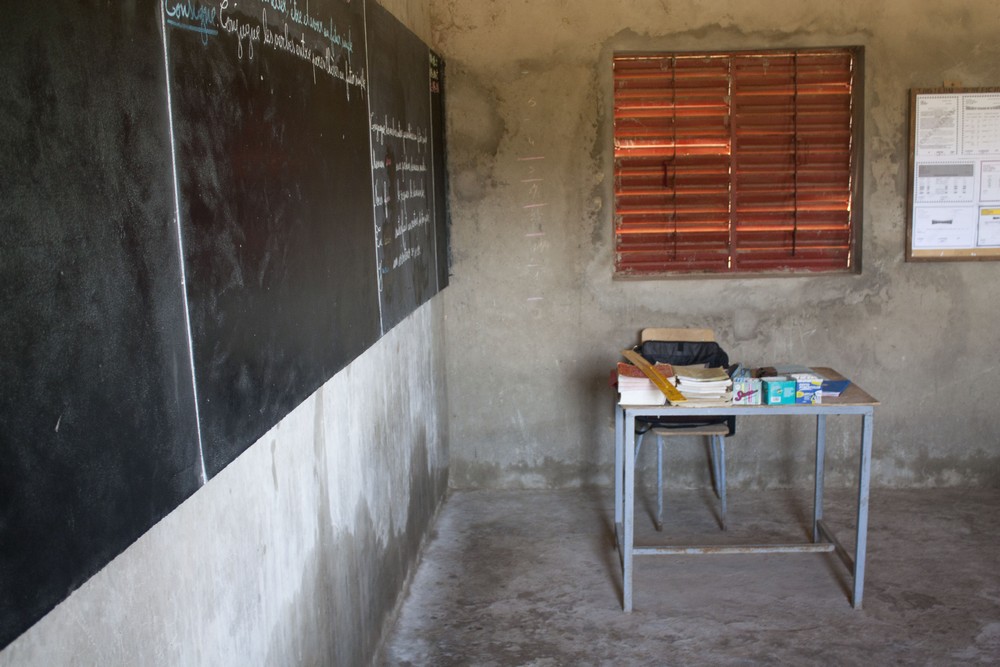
x=779, y=390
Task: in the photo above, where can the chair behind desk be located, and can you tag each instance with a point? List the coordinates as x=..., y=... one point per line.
x=714, y=429
x=683, y=335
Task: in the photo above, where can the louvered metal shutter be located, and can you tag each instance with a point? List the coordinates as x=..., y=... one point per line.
x=735, y=162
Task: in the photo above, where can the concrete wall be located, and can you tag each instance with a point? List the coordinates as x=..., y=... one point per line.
x=535, y=320
x=298, y=552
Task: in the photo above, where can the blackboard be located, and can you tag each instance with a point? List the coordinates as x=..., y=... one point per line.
x=402, y=166
x=98, y=438
x=188, y=249
x=271, y=138
x=442, y=221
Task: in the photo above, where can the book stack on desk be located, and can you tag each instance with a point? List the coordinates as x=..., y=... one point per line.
x=703, y=387
x=637, y=389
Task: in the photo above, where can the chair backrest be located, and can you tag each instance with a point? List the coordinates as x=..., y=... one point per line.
x=687, y=335
x=685, y=347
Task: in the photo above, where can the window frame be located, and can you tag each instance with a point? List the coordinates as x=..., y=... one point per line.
x=835, y=245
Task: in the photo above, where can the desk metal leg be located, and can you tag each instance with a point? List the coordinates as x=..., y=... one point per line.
x=820, y=461
x=629, y=512
x=861, y=543
x=619, y=465
x=625, y=456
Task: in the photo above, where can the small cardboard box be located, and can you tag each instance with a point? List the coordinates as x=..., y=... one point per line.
x=779, y=390
x=807, y=388
x=747, y=391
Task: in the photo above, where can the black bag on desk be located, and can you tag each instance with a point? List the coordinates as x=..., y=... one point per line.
x=684, y=353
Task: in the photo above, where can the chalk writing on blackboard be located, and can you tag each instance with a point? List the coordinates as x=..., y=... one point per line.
x=399, y=168
x=390, y=127
x=193, y=16
x=245, y=33
x=286, y=29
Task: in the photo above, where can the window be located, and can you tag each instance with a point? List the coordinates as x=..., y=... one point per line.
x=737, y=162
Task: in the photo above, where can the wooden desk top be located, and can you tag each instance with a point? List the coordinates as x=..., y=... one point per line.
x=853, y=395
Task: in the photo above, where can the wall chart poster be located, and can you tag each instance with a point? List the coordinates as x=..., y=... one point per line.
x=954, y=193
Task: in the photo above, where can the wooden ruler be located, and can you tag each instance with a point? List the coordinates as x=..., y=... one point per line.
x=671, y=392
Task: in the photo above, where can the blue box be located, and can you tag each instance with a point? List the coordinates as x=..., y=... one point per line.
x=808, y=388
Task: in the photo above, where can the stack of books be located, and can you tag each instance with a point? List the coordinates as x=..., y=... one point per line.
x=635, y=388
x=703, y=387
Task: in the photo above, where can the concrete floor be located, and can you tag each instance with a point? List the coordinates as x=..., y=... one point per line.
x=531, y=578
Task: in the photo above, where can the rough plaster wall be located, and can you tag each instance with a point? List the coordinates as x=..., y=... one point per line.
x=539, y=318
x=297, y=552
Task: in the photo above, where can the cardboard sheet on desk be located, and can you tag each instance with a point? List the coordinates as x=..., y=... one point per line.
x=631, y=370
x=786, y=369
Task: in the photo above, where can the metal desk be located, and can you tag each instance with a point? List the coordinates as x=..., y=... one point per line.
x=854, y=401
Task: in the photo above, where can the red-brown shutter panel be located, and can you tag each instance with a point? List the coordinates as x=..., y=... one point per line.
x=732, y=162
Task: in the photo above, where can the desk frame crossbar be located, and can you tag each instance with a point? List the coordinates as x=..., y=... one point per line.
x=823, y=538
x=723, y=549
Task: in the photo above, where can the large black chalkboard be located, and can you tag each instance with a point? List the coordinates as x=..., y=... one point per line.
x=98, y=437
x=402, y=166
x=442, y=220
x=271, y=134
x=189, y=247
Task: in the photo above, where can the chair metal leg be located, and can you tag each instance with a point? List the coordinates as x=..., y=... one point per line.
x=713, y=455
x=722, y=474
x=659, y=482
x=717, y=469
